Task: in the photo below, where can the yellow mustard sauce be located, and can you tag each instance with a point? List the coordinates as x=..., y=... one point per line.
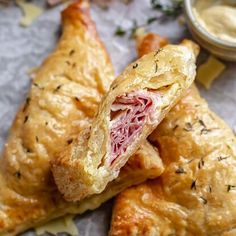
x=217, y=17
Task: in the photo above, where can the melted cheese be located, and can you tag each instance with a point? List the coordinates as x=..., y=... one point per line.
x=209, y=71
x=63, y=224
x=31, y=12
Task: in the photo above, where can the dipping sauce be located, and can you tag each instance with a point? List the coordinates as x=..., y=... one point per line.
x=218, y=17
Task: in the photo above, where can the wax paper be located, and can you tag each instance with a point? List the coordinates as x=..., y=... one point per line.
x=22, y=49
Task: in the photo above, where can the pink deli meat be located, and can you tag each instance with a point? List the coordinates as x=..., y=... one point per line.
x=129, y=113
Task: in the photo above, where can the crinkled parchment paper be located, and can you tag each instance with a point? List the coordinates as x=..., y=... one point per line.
x=21, y=49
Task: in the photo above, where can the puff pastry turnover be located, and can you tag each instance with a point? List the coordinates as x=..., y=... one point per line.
x=135, y=104
x=62, y=101
x=196, y=194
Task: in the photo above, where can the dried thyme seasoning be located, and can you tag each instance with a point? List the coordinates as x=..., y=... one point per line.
x=18, y=175
x=188, y=127
x=230, y=187
x=27, y=102
x=193, y=185
x=204, y=200
x=201, y=163
x=180, y=170
x=58, y=88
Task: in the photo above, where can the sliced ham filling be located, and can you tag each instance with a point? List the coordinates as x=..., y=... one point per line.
x=129, y=113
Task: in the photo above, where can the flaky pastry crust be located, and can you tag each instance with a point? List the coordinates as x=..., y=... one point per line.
x=62, y=101
x=85, y=168
x=196, y=193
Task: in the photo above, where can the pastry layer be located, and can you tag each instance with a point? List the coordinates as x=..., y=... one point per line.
x=196, y=193
x=62, y=101
x=151, y=86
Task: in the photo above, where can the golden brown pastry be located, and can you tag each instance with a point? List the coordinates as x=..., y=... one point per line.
x=144, y=164
x=63, y=99
x=196, y=194
x=148, y=42
x=135, y=104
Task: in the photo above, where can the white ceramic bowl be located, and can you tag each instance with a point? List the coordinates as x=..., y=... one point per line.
x=218, y=47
